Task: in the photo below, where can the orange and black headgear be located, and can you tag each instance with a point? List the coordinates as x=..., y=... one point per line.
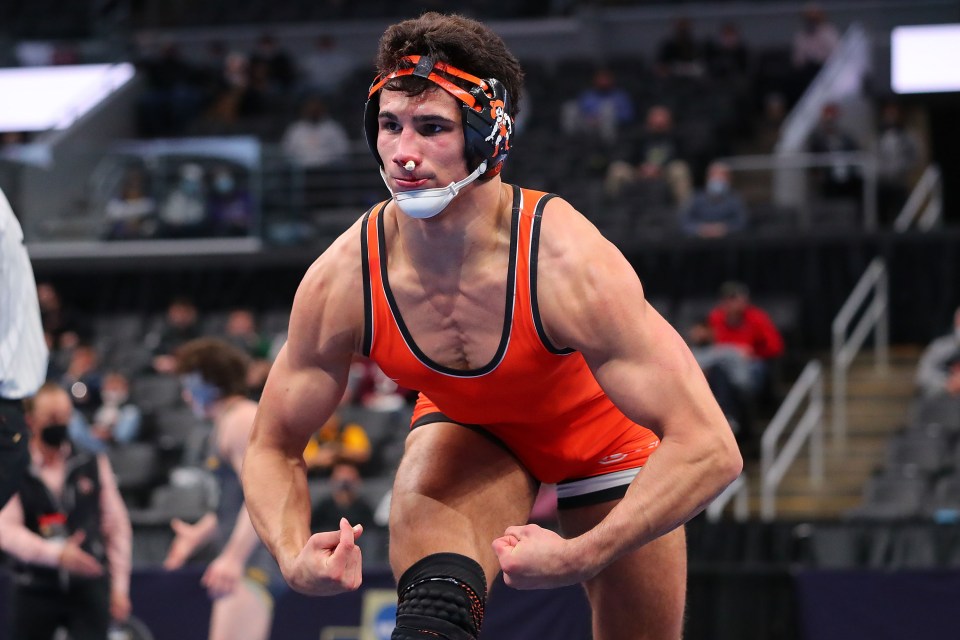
x=485, y=107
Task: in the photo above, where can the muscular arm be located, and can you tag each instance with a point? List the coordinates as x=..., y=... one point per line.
x=303, y=389
x=591, y=300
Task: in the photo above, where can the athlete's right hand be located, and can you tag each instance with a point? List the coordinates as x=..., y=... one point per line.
x=77, y=561
x=330, y=563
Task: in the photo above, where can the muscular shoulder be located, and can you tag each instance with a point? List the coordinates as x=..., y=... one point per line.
x=583, y=280
x=328, y=305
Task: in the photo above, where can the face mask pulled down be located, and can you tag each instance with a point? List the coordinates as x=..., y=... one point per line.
x=426, y=203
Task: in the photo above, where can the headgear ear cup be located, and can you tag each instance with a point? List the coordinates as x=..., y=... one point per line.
x=488, y=131
x=487, y=126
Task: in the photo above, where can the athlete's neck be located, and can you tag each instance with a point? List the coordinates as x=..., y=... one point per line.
x=463, y=232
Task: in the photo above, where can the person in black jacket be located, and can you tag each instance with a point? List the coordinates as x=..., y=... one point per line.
x=68, y=533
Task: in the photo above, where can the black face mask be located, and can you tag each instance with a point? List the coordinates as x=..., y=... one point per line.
x=54, y=435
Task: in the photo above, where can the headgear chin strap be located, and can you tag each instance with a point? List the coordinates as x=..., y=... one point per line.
x=426, y=203
x=487, y=125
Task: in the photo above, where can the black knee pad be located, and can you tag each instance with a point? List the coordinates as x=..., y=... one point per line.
x=441, y=597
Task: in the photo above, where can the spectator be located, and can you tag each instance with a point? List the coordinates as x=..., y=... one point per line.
x=728, y=56
x=603, y=109
x=813, y=44
x=935, y=375
x=230, y=205
x=898, y=155
x=335, y=442
x=241, y=332
x=654, y=159
x=83, y=378
x=729, y=373
x=230, y=89
x=277, y=65
x=315, y=139
x=680, y=54
x=717, y=210
x=326, y=66
x=116, y=420
x=179, y=325
x=344, y=501
x=131, y=213
x=72, y=557
x=65, y=326
x=840, y=180
x=747, y=327
x=184, y=211
x=172, y=96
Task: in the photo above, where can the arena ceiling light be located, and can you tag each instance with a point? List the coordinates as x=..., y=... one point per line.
x=923, y=58
x=44, y=98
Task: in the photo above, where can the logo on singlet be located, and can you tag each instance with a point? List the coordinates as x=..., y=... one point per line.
x=612, y=458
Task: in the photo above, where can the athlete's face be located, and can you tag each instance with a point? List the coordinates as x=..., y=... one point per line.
x=425, y=129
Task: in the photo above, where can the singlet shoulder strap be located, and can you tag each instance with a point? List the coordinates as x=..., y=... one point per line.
x=534, y=263
x=365, y=234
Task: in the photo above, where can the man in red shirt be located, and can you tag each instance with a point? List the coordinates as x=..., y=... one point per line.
x=736, y=322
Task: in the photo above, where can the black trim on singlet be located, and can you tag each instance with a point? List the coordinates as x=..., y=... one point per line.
x=435, y=416
x=594, y=497
x=367, y=342
x=507, y=314
x=534, y=252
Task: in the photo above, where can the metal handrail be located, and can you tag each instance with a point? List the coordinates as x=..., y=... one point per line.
x=738, y=491
x=864, y=162
x=875, y=317
x=929, y=191
x=809, y=426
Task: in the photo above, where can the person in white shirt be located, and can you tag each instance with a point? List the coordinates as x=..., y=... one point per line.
x=315, y=139
x=23, y=350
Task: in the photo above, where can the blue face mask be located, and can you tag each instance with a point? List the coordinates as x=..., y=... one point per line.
x=717, y=187
x=202, y=393
x=223, y=184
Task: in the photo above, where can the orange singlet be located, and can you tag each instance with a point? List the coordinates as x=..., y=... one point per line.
x=541, y=402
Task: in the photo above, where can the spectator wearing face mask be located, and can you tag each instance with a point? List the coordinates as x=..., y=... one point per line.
x=116, y=420
x=717, y=210
x=72, y=556
x=230, y=204
x=184, y=211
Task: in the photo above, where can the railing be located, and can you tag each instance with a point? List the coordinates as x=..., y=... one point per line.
x=929, y=192
x=875, y=317
x=808, y=426
x=737, y=491
x=798, y=162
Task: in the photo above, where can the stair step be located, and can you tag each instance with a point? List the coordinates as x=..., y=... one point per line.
x=878, y=402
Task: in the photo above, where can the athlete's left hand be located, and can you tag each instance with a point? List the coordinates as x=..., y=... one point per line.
x=222, y=576
x=536, y=558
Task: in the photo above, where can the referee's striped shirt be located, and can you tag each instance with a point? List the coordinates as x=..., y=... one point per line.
x=23, y=351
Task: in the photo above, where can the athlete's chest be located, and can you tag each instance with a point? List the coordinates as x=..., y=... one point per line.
x=458, y=323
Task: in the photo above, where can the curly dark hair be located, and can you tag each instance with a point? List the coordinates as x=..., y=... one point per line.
x=218, y=362
x=466, y=44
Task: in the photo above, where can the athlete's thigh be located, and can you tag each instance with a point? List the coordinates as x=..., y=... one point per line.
x=641, y=595
x=456, y=490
